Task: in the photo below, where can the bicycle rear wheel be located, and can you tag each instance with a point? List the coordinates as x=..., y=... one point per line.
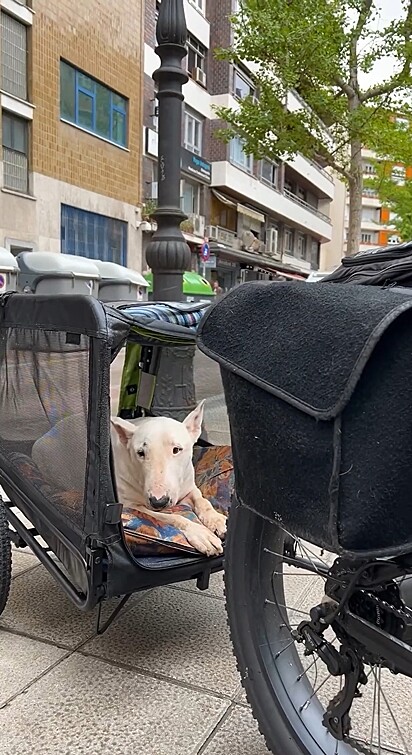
x=287, y=690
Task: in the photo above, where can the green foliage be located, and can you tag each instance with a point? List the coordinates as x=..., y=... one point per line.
x=318, y=50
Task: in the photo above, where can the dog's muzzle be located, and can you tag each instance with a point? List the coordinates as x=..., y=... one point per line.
x=158, y=504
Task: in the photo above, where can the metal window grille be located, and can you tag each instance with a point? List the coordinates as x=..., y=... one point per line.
x=15, y=170
x=13, y=56
x=91, y=235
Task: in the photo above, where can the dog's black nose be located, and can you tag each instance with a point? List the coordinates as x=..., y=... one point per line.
x=159, y=503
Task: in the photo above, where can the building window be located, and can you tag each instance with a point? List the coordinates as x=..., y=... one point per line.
x=193, y=132
x=269, y=173
x=402, y=123
x=13, y=56
x=369, y=193
x=196, y=55
x=398, y=174
x=369, y=169
x=370, y=214
x=199, y=4
x=288, y=240
x=242, y=86
x=15, y=161
x=190, y=201
x=86, y=103
x=368, y=238
x=302, y=246
x=238, y=157
x=94, y=236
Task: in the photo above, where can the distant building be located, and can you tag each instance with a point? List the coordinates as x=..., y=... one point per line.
x=71, y=120
x=260, y=218
x=377, y=228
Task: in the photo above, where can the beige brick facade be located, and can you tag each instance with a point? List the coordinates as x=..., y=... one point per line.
x=104, y=40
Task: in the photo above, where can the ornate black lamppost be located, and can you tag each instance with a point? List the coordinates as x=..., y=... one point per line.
x=167, y=254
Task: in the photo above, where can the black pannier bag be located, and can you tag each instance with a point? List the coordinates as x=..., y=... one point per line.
x=384, y=266
x=318, y=385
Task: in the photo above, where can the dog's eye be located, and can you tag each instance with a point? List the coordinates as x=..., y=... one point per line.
x=177, y=450
x=140, y=454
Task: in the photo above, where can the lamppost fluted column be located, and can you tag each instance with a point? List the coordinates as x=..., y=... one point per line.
x=167, y=254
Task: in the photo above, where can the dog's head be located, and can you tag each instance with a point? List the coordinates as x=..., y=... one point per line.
x=160, y=452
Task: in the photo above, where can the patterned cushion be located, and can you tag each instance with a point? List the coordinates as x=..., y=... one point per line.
x=143, y=534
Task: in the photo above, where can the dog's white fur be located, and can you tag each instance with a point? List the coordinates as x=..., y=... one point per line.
x=154, y=470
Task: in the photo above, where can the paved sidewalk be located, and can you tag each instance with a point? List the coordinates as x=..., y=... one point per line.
x=161, y=681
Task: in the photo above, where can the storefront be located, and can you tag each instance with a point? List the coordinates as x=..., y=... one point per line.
x=233, y=267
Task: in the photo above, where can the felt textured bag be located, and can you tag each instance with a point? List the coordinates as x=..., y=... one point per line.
x=318, y=385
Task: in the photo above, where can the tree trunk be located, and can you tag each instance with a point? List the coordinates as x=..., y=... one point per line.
x=355, y=198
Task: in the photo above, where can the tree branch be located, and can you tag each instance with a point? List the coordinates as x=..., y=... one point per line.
x=390, y=86
x=345, y=87
x=325, y=155
x=364, y=14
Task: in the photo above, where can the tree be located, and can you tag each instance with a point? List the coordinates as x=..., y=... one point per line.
x=320, y=50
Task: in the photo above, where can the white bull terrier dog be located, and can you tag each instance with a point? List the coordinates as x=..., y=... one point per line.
x=154, y=471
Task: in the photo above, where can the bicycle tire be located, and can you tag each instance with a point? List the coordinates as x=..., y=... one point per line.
x=266, y=689
x=5, y=559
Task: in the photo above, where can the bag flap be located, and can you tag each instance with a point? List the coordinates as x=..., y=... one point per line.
x=305, y=344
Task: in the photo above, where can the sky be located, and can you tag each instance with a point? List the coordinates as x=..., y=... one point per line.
x=389, y=10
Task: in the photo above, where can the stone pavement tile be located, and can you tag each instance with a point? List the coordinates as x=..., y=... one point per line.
x=215, y=588
x=21, y=561
x=177, y=634
x=21, y=661
x=85, y=707
x=238, y=735
x=38, y=607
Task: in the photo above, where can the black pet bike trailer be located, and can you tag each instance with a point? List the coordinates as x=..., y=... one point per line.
x=55, y=455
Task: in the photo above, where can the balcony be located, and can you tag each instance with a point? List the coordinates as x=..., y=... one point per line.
x=308, y=206
x=242, y=185
x=314, y=175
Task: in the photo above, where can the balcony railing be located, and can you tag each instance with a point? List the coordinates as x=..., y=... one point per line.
x=306, y=205
x=320, y=169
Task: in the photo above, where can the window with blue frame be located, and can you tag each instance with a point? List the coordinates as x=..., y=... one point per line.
x=86, y=103
x=97, y=237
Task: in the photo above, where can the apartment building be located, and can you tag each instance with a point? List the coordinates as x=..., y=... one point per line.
x=70, y=167
x=377, y=228
x=259, y=217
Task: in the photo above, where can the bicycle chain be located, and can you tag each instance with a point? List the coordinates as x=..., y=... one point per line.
x=404, y=616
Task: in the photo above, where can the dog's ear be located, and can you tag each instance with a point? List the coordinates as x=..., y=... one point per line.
x=123, y=428
x=193, y=421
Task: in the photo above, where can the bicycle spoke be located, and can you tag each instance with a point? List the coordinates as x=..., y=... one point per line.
x=315, y=692
x=407, y=751
x=379, y=712
x=374, y=709
x=288, y=608
x=298, y=678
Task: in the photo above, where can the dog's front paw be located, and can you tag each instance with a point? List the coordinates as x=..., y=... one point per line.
x=203, y=540
x=215, y=522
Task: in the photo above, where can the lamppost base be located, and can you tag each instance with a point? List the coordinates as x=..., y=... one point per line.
x=175, y=390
